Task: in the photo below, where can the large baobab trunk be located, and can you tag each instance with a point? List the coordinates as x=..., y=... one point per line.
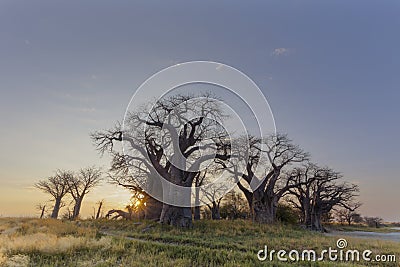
x=153, y=209
x=315, y=216
x=196, y=215
x=56, y=208
x=260, y=204
x=316, y=222
x=306, y=210
x=263, y=212
x=174, y=215
x=307, y=219
x=264, y=207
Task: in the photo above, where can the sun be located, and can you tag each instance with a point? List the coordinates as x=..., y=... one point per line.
x=138, y=203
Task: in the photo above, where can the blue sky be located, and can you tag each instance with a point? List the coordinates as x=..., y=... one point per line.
x=329, y=69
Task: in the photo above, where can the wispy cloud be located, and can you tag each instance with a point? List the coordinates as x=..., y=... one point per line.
x=85, y=109
x=280, y=51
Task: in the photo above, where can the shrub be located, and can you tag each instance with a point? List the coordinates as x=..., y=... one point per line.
x=287, y=214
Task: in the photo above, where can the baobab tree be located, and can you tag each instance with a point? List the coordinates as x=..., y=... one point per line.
x=215, y=202
x=279, y=152
x=165, y=148
x=349, y=214
x=317, y=191
x=211, y=192
x=80, y=184
x=373, y=221
x=57, y=187
x=234, y=206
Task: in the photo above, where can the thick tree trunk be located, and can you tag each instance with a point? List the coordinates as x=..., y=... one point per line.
x=153, y=209
x=247, y=194
x=307, y=215
x=173, y=215
x=316, y=224
x=196, y=213
x=77, y=208
x=264, y=213
x=176, y=216
x=307, y=220
x=56, y=208
x=264, y=207
x=215, y=215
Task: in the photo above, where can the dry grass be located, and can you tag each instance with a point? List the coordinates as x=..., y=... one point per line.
x=17, y=260
x=34, y=242
x=3, y=258
x=23, y=237
x=49, y=243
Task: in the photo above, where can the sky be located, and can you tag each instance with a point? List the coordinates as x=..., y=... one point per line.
x=329, y=69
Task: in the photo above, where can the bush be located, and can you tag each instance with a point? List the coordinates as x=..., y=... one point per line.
x=287, y=214
x=234, y=206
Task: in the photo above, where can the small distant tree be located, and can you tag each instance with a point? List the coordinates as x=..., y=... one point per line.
x=57, y=187
x=214, y=207
x=341, y=216
x=234, y=206
x=67, y=215
x=357, y=218
x=215, y=202
x=80, y=185
x=327, y=217
x=349, y=214
x=373, y=221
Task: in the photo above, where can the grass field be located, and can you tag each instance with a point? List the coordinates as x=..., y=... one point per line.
x=34, y=242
